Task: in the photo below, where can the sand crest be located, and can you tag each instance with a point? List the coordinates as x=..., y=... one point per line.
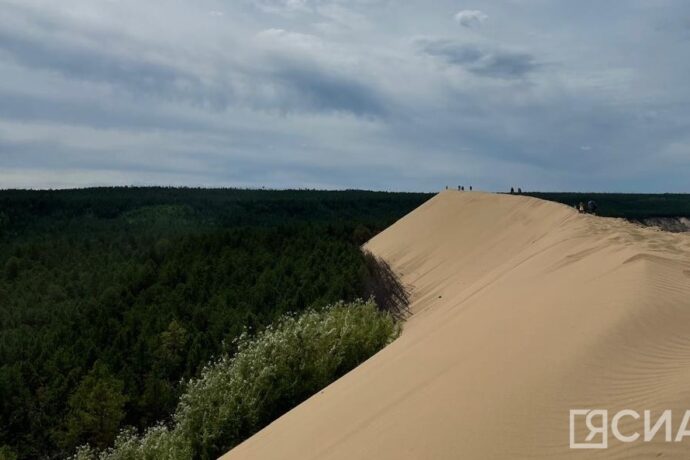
x=522, y=310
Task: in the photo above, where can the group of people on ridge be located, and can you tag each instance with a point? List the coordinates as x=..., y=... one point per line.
x=589, y=208
x=582, y=208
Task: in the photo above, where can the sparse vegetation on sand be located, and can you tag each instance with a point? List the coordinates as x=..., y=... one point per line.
x=236, y=396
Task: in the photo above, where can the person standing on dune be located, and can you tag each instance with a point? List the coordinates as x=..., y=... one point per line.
x=592, y=207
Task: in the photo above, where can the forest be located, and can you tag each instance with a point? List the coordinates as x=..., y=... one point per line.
x=631, y=206
x=112, y=298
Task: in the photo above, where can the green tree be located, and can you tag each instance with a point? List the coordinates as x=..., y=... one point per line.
x=96, y=409
x=361, y=234
x=172, y=343
x=4, y=221
x=12, y=268
x=155, y=282
x=7, y=454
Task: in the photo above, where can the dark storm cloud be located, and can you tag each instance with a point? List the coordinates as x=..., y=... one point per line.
x=481, y=61
x=95, y=113
x=82, y=62
x=316, y=89
x=83, y=53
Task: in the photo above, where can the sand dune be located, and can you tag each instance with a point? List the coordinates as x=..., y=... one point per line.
x=523, y=310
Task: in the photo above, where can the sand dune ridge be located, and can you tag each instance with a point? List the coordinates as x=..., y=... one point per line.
x=522, y=310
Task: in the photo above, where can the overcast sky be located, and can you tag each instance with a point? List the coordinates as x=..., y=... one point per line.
x=375, y=94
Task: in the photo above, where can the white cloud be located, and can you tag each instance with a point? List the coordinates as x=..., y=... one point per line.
x=285, y=39
x=471, y=18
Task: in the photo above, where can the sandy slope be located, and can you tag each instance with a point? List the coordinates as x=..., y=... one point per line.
x=523, y=309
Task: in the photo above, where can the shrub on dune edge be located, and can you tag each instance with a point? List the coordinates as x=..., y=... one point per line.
x=270, y=374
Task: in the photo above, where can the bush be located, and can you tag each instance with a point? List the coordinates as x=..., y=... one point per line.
x=270, y=374
x=6, y=453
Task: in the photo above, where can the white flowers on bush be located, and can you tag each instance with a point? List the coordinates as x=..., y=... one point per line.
x=270, y=373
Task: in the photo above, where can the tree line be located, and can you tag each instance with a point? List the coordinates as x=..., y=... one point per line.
x=110, y=298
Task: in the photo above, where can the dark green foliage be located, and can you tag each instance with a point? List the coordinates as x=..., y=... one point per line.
x=626, y=205
x=96, y=409
x=153, y=283
x=270, y=374
x=23, y=211
x=6, y=453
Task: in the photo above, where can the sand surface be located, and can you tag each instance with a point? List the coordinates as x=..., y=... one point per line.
x=522, y=310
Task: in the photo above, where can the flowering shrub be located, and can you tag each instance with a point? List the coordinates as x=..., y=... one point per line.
x=271, y=373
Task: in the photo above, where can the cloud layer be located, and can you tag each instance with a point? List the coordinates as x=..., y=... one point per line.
x=334, y=93
x=498, y=63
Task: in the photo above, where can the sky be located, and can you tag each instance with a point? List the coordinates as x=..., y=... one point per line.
x=414, y=95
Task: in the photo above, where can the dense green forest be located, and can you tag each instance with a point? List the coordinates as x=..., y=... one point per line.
x=272, y=372
x=627, y=205
x=111, y=298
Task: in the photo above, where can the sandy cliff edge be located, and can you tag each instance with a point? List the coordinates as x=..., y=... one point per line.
x=523, y=310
